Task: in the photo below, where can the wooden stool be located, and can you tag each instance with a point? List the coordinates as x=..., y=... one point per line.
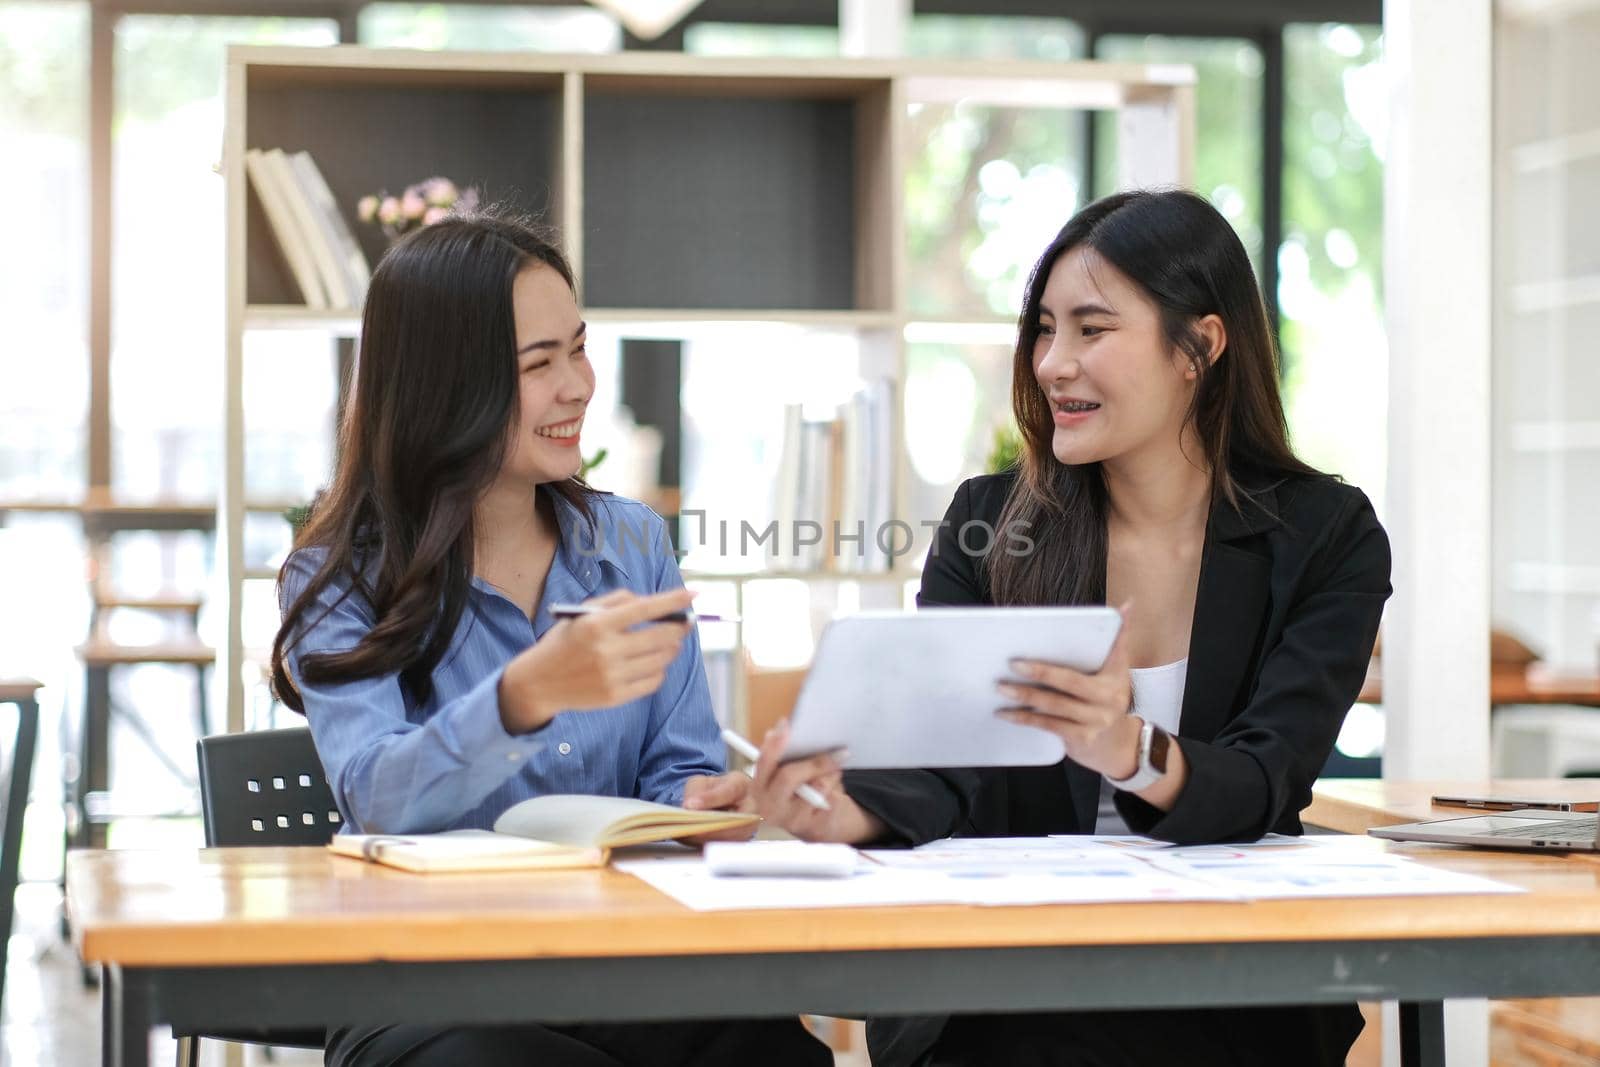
x=100, y=656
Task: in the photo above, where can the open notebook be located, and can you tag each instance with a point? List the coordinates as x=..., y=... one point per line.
x=541, y=832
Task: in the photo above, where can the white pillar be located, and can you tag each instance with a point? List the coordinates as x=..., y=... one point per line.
x=1437, y=282
x=873, y=27
x=1437, y=217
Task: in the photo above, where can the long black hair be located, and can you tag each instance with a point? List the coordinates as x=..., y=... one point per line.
x=424, y=433
x=1184, y=256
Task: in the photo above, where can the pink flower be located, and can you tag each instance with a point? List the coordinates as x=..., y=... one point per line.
x=434, y=214
x=439, y=192
x=389, y=211
x=367, y=208
x=412, y=205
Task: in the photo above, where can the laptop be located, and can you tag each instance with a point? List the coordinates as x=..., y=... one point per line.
x=1529, y=829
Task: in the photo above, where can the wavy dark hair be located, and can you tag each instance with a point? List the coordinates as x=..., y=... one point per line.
x=424, y=433
x=1184, y=256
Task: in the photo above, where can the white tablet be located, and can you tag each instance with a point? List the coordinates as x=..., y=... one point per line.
x=917, y=689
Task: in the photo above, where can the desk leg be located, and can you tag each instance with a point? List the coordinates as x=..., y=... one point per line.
x=124, y=1019
x=1422, y=1033
x=94, y=767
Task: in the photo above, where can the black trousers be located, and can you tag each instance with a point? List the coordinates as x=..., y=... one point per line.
x=718, y=1043
x=1231, y=1037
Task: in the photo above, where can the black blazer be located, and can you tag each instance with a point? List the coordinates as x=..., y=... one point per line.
x=1291, y=590
x=1286, y=614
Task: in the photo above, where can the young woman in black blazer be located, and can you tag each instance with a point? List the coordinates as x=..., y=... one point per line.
x=1155, y=474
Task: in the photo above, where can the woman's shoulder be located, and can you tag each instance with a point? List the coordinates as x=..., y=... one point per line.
x=1323, y=521
x=1313, y=501
x=609, y=507
x=622, y=521
x=300, y=570
x=623, y=530
x=985, y=495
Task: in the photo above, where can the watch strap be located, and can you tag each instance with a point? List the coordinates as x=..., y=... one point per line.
x=1146, y=774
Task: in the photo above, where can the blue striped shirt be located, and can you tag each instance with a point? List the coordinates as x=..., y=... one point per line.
x=399, y=766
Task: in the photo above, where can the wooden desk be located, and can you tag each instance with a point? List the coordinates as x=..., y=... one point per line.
x=1521, y=1029
x=242, y=938
x=1536, y=685
x=1356, y=805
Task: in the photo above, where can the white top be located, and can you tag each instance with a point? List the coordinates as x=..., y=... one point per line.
x=1157, y=699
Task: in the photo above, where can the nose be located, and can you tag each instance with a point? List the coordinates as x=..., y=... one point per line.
x=1058, y=363
x=578, y=383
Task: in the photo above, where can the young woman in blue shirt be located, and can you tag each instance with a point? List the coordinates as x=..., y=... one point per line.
x=417, y=636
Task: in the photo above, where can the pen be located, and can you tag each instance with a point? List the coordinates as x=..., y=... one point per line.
x=805, y=791
x=573, y=611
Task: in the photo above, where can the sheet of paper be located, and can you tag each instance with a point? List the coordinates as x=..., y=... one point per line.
x=1356, y=873
x=1074, y=870
x=689, y=882
x=1048, y=875
x=1046, y=870
x=1310, y=847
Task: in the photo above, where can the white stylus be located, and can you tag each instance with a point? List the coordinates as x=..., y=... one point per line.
x=805, y=791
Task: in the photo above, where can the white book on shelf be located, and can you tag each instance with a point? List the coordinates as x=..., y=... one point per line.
x=275, y=203
x=347, y=250
x=816, y=492
x=854, y=474
x=305, y=217
x=786, y=490
x=879, y=505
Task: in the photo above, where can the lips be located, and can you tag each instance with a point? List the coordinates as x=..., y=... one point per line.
x=1071, y=411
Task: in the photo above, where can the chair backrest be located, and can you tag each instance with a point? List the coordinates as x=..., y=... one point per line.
x=265, y=787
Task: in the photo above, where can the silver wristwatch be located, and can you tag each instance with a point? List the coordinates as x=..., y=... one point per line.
x=1153, y=744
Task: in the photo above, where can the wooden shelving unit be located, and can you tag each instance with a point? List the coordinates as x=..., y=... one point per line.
x=685, y=189
x=1546, y=264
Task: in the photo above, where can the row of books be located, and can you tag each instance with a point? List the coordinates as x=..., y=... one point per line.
x=835, y=486
x=323, y=255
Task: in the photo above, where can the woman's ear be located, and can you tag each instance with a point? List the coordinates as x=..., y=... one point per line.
x=1214, y=338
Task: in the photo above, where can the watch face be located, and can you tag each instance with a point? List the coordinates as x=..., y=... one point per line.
x=1159, y=740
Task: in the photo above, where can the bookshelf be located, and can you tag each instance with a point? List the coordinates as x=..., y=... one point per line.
x=1546, y=313
x=687, y=191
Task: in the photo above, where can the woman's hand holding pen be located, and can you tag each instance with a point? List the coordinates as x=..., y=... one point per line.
x=774, y=790
x=601, y=660
x=1089, y=712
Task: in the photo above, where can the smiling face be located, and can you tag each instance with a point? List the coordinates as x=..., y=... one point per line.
x=1116, y=389
x=555, y=379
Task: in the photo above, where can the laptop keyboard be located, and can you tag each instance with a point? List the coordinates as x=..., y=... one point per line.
x=1566, y=829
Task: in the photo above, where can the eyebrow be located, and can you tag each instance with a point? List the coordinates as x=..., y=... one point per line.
x=1085, y=310
x=583, y=327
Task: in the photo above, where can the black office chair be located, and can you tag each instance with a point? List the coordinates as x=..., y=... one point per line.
x=265, y=787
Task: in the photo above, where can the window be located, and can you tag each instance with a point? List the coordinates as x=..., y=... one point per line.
x=994, y=37
x=1227, y=163
x=489, y=27
x=1331, y=261
x=44, y=361
x=167, y=246
x=739, y=39
x=986, y=190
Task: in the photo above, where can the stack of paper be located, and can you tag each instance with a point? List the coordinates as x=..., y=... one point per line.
x=1074, y=870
